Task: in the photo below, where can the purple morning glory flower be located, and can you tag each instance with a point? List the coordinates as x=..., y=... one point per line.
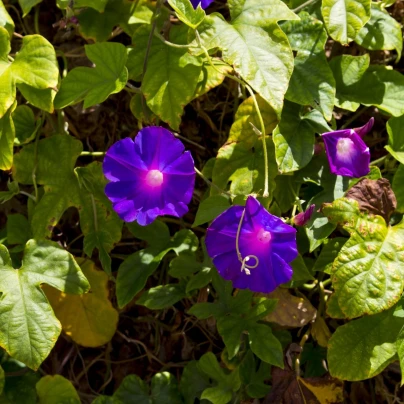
x=347, y=153
x=150, y=176
x=303, y=217
x=251, y=247
x=204, y=3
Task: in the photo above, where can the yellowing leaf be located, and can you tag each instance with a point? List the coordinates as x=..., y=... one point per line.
x=320, y=332
x=326, y=390
x=56, y=390
x=90, y=320
x=291, y=311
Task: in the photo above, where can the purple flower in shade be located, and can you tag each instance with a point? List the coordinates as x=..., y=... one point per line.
x=204, y=3
x=150, y=176
x=251, y=247
x=347, y=153
x=303, y=217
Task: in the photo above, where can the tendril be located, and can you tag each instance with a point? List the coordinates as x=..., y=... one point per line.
x=244, y=266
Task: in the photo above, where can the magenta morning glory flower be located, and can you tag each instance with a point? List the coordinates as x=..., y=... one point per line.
x=347, y=153
x=150, y=176
x=204, y=3
x=303, y=217
x=251, y=247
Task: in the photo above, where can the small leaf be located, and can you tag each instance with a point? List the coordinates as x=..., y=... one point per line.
x=7, y=135
x=381, y=32
x=186, y=12
x=13, y=190
x=345, y=18
x=162, y=296
x=5, y=20
x=94, y=85
x=193, y=382
x=210, y=208
x=26, y=5
x=56, y=390
x=375, y=197
x=328, y=254
x=24, y=123
x=320, y=332
x=18, y=229
x=362, y=348
x=396, y=138
x=294, y=137
x=89, y=320
x=33, y=330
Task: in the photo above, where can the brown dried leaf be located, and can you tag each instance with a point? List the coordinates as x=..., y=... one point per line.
x=374, y=196
x=291, y=311
x=288, y=388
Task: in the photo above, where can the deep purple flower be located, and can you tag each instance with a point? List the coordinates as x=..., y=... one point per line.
x=251, y=247
x=204, y=3
x=347, y=153
x=303, y=217
x=150, y=176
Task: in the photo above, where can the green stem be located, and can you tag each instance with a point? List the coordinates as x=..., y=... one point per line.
x=378, y=161
x=211, y=184
x=93, y=154
x=36, y=20
x=305, y=4
x=354, y=117
x=174, y=45
x=29, y=195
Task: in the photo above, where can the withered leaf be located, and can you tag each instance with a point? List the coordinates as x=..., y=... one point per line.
x=287, y=388
x=291, y=311
x=374, y=196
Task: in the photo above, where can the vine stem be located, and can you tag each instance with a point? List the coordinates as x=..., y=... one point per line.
x=211, y=184
x=261, y=121
x=305, y=4
x=93, y=154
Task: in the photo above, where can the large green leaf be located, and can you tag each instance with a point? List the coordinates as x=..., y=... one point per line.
x=294, y=137
x=363, y=348
x=308, y=38
x=54, y=161
x=94, y=85
x=368, y=272
x=395, y=129
x=345, y=18
x=28, y=326
x=35, y=65
x=244, y=168
x=253, y=43
x=170, y=81
x=382, y=32
x=348, y=71
x=210, y=208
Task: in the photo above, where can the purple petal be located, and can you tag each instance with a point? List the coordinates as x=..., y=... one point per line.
x=204, y=3
x=263, y=238
x=150, y=177
x=303, y=217
x=347, y=154
x=157, y=147
x=121, y=163
x=365, y=129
